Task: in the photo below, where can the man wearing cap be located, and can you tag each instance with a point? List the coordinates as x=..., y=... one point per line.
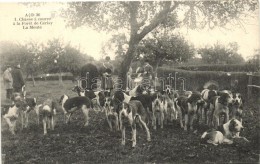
x=107, y=70
x=148, y=72
x=8, y=82
x=18, y=81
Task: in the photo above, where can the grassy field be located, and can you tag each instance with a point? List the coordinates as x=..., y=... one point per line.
x=74, y=143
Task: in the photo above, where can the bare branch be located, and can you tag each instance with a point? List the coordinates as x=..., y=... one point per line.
x=158, y=18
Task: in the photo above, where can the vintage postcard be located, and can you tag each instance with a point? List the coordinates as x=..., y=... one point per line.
x=130, y=81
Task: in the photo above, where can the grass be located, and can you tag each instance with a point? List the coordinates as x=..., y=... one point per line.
x=74, y=143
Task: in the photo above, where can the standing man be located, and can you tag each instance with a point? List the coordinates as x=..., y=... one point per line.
x=107, y=70
x=18, y=81
x=148, y=72
x=8, y=82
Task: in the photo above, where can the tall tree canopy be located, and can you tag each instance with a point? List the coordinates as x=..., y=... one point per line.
x=167, y=47
x=138, y=19
x=220, y=54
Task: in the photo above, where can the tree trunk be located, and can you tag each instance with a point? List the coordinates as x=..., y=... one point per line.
x=33, y=80
x=127, y=61
x=158, y=61
x=60, y=77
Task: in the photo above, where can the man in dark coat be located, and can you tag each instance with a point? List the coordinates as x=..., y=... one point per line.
x=18, y=81
x=107, y=70
x=148, y=74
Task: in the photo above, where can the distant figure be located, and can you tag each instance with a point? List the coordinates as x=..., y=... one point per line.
x=148, y=69
x=107, y=70
x=8, y=82
x=89, y=75
x=18, y=81
x=140, y=71
x=148, y=73
x=129, y=78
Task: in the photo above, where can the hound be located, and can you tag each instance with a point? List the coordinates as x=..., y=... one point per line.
x=111, y=114
x=133, y=113
x=237, y=107
x=146, y=101
x=219, y=105
x=224, y=133
x=97, y=97
x=169, y=108
x=49, y=110
x=158, y=112
x=11, y=114
x=31, y=105
x=187, y=106
x=207, y=95
x=69, y=105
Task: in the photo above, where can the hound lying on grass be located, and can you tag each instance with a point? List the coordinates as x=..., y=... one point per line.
x=224, y=133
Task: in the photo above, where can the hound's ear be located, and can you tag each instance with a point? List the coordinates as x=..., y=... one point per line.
x=191, y=99
x=101, y=94
x=243, y=99
x=128, y=107
x=61, y=98
x=219, y=93
x=232, y=125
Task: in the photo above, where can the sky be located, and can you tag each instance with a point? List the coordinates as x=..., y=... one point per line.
x=91, y=41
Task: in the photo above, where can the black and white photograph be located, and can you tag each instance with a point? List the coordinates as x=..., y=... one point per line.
x=130, y=81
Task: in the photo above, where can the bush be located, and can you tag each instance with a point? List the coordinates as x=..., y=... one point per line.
x=225, y=68
x=196, y=79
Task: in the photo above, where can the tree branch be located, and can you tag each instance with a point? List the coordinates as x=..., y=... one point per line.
x=133, y=7
x=159, y=18
x=143, y=21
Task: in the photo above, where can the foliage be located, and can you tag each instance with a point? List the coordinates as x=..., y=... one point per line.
x=196, y=79
x=220, y=67
x=118, y=42
x=138, y=19
x=58, y=57
x=220, y=54
x=38, y=58
x=166, y=47
x=255, y=59
x=26, y=55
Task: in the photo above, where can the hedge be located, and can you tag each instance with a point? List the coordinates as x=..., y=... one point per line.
x=226, y=68
x=195, y=80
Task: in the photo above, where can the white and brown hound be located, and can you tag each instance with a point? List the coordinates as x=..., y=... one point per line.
x=207, y=95
x=31, y=106
x=111, y=114
x=49, y=110
x=146, y=101
x=11, y=114
x=158, y=112
x=169, y=108
x=237, y=107
x=187, y=106
x=97, y=97
x=219, y=105
x=69, y=105
x=224, y=133
x=133, y=113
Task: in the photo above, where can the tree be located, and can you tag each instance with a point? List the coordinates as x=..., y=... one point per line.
x=140, y=18
x=166, y=47
x=220, y=54
x=26, y=55
x=58, y=57
x=32, y=59
x=255, y=58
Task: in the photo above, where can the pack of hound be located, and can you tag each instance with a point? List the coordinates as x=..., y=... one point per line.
x=222, y=111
